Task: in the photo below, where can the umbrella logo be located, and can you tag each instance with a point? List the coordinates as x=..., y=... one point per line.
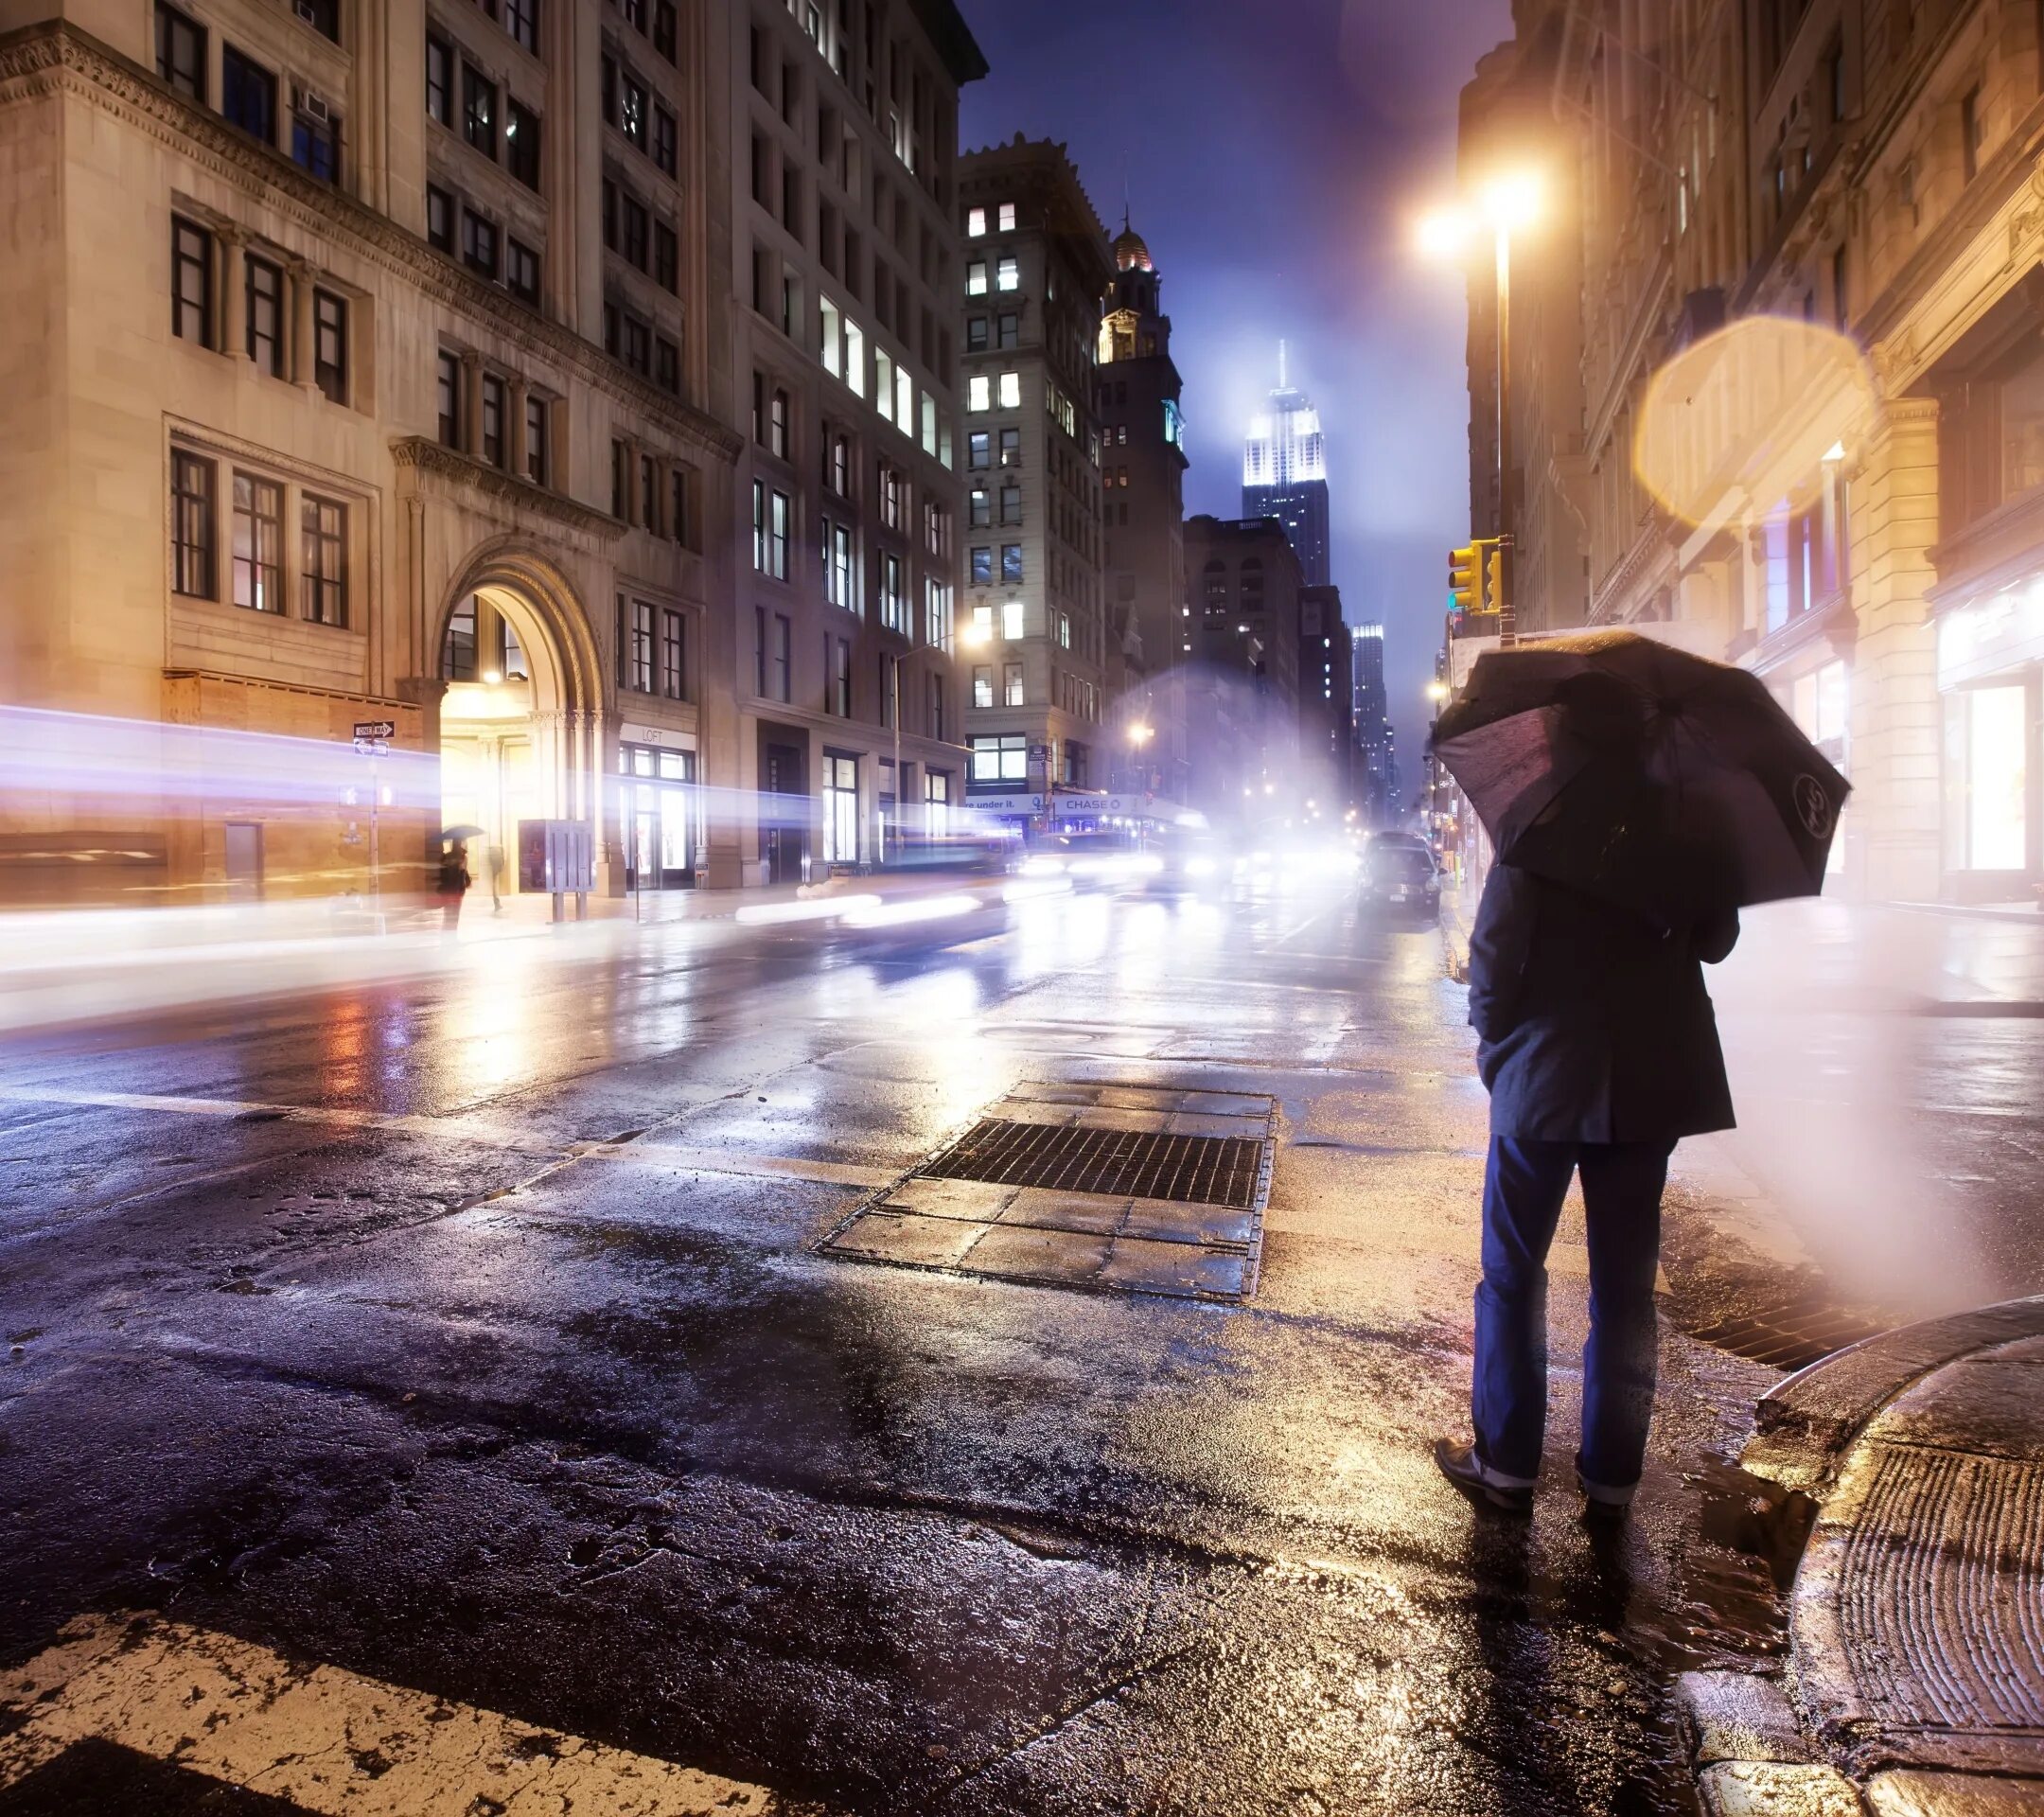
x=1813, y=806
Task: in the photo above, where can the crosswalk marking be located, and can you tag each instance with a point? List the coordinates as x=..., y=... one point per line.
x=323, y=1739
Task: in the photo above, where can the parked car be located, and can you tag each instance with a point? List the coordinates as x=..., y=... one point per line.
x=1399, y=873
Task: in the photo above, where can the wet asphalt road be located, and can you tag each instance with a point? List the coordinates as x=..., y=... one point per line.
x=466, y=1334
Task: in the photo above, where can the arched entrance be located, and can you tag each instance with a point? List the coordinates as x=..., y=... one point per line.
x=521, y=712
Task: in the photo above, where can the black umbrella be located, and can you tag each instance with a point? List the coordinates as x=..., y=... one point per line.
x=1633, y=770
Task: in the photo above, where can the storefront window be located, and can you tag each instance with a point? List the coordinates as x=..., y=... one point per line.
x=1987, y=778
x=1819, y=703
x=662, y=815
x=2022, y=428
x=937, y=793
x=840, y=810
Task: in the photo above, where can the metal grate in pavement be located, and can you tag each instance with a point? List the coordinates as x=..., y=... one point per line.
x=1786, y=1338
x=1204, y=1170
x=1136, y=1188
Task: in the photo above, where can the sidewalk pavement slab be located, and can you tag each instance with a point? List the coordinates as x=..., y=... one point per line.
x=1740, y=1716
x=1764, y=1789
x=1952, y=1794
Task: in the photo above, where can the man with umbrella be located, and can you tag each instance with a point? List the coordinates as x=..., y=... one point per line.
x=1637, y=797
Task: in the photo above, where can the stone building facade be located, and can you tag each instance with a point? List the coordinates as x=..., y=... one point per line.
x=1039, y=666
x=1247, y=587
x=1868, y=170
x=374, y=364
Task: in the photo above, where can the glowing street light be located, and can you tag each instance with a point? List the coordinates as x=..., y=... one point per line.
x=1436, y=689
x=1508, y=203
x=1140, y=735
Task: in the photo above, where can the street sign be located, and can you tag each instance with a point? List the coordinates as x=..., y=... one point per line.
x=373, y=728
x=371, y=747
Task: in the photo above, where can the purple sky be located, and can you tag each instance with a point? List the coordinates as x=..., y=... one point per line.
x=1273, y=152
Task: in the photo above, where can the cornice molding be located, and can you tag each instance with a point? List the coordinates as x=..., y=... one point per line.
x=56, y=58
x=421, y=454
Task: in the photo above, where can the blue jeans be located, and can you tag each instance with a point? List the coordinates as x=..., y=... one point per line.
x=1524, y=1186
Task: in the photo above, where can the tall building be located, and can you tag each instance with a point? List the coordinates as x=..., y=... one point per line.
x=407, y=397
x=1037, y=265
x=1377, y=783
x=1243, y=693
x=1327, y=705
x=1142, y=503
x=1285, y=473
x=849, y=494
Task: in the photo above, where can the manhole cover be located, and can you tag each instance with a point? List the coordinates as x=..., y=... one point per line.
x=1134, y=1189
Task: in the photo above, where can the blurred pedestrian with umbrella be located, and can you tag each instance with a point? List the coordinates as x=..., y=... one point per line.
x=452, y=883
x=1638, y=797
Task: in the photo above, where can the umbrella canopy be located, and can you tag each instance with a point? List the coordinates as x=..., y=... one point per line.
x=463, y=832
x=1634, y=769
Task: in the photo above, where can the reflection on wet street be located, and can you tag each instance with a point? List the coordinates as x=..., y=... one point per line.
x=463, y=1332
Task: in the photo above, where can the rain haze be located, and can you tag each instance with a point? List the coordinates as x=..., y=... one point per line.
x=1272, y=157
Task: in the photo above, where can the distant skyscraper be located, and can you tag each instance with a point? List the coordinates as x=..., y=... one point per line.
x=1372, y=708
x=1284, y=474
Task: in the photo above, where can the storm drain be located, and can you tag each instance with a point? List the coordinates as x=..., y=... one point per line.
x=1130, y=1188
x=1786, y=1338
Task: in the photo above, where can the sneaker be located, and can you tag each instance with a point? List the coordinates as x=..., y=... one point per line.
x=1603, y=1503
x=1468, y=1472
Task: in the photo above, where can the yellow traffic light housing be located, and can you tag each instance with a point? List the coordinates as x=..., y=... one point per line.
x=1464, y=576
x=1495, y=578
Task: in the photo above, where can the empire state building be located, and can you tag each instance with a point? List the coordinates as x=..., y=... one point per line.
x=1284, y=474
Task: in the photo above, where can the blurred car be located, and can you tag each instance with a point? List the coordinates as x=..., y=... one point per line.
x=1092, y=860
x=1193, y=863
x=1398, y=874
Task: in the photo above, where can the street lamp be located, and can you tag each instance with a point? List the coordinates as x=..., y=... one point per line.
x=1508, y=203
x=1139, y=734
x=1436, y=690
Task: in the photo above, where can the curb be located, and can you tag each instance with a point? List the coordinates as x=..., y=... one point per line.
x=1914, y=1685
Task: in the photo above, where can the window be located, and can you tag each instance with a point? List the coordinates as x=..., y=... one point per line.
x=639, y=616
x=248, y=94
x=840, y=685
x=667, y=365
x=893, y=497
x=191, y=525
x=493, y=419
x=893, y=601
x=439, y=218
x=678, y=503
x=1987, y=768
x=884, y=383
x=980, y=507
x=759, y=650
x=521, y=143
x=674, y=653
x=536, y=440
x=649, y=493
x=1012, y=563
x=666, y=257
x=315, y=146
x=982, y=684
x=982, y=567
x=1006, y=217
x=263, y=296
x=840, y=810
x=1011, y=390
x=1011, y=691
x=1010, y=274
x=841, y=471
x=975, y=334
x=777, y=424
x=450, y=400
x=522, y=270
x=1972, y=132
x=777, y=538
x=329, y=344
x=936, y=614
x=258, y=543
x=191, y=282
x=635, y=231
x=1011, y=447
x=478, y=110
x=322, y=559
x=855, y=357
x=1063, y=630
x=323, y=16
x=782, y=675
x=979, y=395
x=1011, y=630
x=975, y=222
x=439, y=79
x=838, y=566
x=664, y=139
x=1000, y=757
x=1011, y=505
x=180, y=52
x=1011, y=329
x=975, y=277
x=978, y=451
x=759, y=537
x=522, y=20
x=621, y=488
x=631, y=114
x=665, y=34
x=479, y=243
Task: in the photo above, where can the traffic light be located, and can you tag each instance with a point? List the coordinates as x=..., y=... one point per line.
x=1495, y=578
x=1464, y=578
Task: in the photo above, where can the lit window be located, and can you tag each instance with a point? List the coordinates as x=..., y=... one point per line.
x=979, y=392
x=1011, y=620
x=975, y=222
x=1006, y=217
x=1011, y=390
x=1009, y=276
x=976, y=278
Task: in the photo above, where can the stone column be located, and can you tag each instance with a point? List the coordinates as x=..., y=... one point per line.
x=516, y=428
x=472, y=405
x=305, y=352
x=233, y=294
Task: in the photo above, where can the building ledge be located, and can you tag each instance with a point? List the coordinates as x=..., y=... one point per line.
x=1830, y=626
x=422, y=454
x=2004, y=546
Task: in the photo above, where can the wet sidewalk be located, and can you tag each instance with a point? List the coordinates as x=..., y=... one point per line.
x=1914, y=1685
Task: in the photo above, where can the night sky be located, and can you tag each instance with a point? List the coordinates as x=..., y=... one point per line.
x=1273, y=152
